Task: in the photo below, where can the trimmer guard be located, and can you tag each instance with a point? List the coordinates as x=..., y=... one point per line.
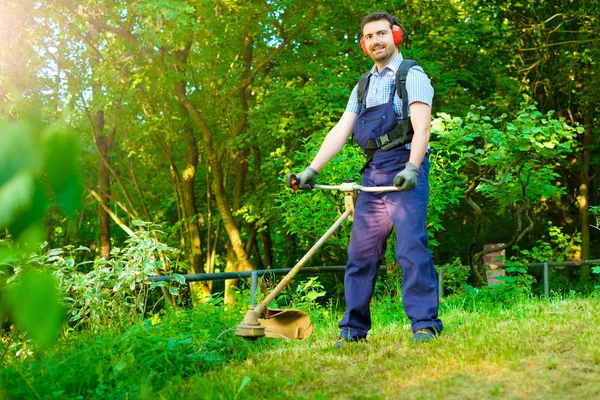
x=288, y=324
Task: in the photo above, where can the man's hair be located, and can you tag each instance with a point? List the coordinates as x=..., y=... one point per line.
x=378, y=16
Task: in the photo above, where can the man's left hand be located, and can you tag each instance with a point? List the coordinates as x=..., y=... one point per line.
x=407, y=178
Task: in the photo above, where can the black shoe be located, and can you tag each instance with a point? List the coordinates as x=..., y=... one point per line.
x=424, y=335
x=341, y=342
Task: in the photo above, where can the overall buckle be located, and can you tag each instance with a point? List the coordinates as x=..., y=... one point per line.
x=382, y=140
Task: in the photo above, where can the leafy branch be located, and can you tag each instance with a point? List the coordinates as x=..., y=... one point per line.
x=595, y=210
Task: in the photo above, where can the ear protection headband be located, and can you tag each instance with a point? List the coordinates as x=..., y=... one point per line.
x=397, y=34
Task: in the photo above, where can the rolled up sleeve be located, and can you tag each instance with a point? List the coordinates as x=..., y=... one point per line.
x=352, y=105
x=418, y=87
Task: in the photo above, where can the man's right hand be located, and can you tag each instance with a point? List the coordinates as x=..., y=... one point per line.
x=307, y=179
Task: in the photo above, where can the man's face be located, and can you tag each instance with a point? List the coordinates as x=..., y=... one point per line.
x=379, y=41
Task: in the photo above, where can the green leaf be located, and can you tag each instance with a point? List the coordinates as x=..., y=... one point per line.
x=36, y=308
x=19, y=150
x=245, y=381
x=69, y=196
x=54, y=252
x=61, y=157
x=15, y=196
x=174, y=291
x=149, y=269
x=524, y=146
x=158, y=284
x=179, y=279
x=138, y=222
x=29, y=218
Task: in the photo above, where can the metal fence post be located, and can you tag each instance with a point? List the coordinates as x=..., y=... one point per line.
x=546, y=282
x=253, y=287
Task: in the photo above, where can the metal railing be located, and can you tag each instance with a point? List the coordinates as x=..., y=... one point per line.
x=546, y=272
x=547, y=265
x=254, y=275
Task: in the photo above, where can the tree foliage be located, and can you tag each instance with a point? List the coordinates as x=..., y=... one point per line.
x=510, y=163
x=190, y=113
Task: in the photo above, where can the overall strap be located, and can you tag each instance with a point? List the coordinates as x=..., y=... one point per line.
x=360, y=93
x=362, y=88
x=403, y=94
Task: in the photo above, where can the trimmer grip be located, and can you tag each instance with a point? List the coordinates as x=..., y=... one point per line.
x=292, y=182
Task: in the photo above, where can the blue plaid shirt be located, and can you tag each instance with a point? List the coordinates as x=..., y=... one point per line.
x=418, y=87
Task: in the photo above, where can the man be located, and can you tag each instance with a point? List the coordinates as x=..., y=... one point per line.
x=406, y=166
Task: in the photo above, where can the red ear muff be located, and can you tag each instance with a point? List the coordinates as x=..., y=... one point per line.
x=363, y=46
x=396, y=34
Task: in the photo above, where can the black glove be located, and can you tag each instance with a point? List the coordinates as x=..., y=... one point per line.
x=407, y=178
x=307, y=179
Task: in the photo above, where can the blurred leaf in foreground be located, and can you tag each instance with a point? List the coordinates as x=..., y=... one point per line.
x=35, y=306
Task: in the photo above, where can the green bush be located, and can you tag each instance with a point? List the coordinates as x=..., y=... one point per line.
x=596, y=270
x=555, y=246
x=139, y=360
x=95, y=296
x=307, y=295
x=454, y=276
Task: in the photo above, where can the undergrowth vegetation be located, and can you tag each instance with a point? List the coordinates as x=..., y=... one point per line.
x=134, y=362
x=95, y=296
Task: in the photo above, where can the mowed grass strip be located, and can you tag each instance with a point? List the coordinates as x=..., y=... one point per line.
x=534, y=349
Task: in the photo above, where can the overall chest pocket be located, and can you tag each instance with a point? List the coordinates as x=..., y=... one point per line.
x=365, y=121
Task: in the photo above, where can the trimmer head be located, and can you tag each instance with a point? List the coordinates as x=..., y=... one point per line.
x=276, y=323
x=250, y=328
x=250, y=332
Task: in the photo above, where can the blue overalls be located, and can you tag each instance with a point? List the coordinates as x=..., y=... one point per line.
x=375, y=216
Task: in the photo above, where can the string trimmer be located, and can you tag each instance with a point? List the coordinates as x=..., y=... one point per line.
x=295, y=324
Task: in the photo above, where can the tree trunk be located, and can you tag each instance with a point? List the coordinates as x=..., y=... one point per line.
x=241, y=170
x=230, y=284
x=104, y=145
x=267, y=247
x=583, y=200
x=265, y=234
x=477, y=277
x=186, y=203
x=190, y=211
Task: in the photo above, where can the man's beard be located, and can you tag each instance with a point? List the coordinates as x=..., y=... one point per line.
x=383, y=55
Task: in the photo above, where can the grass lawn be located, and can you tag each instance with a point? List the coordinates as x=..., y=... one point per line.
x=540, y=349
x=532, y=348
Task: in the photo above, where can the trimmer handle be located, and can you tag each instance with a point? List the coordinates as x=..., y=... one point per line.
x=292, y=182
